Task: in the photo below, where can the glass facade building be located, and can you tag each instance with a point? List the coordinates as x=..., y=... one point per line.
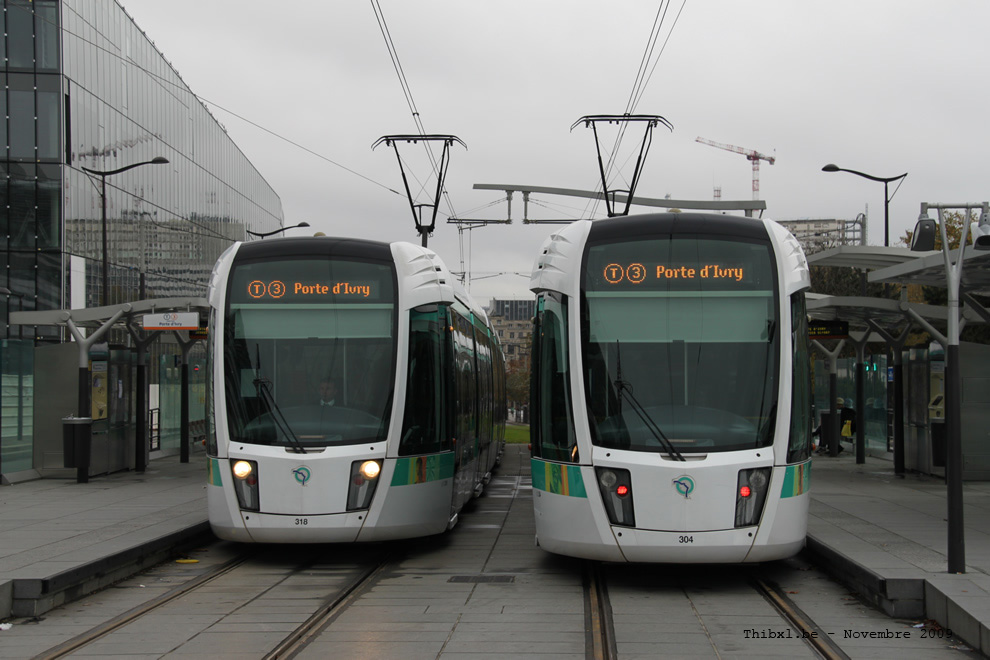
x=83, y=87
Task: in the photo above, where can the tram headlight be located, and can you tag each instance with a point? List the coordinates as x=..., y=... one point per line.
x=242, y=469
x=371, y=469
x=246, y=484
x=751, y=494
x=362, y=484
x=615, y=485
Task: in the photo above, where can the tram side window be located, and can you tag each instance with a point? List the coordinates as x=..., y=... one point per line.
x=211, y=431
x=466, y=429
x=423, y=426
x=799, y=446
x=551, y=391
x=484, y=370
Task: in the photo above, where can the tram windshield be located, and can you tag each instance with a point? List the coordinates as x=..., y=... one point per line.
x=309, y=352
x=680, y=344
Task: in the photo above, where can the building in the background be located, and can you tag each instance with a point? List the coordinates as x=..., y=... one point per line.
x=817, y=234
x=513, y=321
x=84, y=87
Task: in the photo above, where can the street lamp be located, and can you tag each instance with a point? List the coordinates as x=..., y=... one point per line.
x=277, y=231
x=157, y=160
x=886, y=198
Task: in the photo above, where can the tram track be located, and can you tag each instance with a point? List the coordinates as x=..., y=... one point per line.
x=353, y=586
x=811, y=634
x=311, y=628
x=601, y=639
x=135, y=613
x=599, y=624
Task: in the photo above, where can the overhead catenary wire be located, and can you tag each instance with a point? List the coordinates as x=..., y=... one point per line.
x=642, y=88
x=644, y=75
x=203, y=100
x=407, y=93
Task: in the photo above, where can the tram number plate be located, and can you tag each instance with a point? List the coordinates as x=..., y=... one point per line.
x=302, y=521
x=685, y=539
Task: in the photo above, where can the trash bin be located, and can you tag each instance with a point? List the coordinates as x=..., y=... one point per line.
x=76, y=441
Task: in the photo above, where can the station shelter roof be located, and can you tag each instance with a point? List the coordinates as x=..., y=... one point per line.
x=95, y=317
x=929, y=269
x=891, y=315
x=866, y=257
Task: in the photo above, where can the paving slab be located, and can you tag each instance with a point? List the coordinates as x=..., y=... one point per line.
x=883, y=535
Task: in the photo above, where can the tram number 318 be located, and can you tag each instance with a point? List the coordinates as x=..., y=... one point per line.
x=302, y=521
x=685, y=539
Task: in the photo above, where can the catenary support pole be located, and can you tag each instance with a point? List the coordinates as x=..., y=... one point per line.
x=142, y=447
x=185, y=345
x=833, y=394
x=897, y=349
x=85, y=343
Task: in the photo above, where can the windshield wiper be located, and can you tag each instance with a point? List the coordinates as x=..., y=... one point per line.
x=263, y=387
x=626, y=389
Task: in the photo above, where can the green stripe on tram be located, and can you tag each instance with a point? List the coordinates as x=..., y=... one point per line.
x=420, y=469
x=558, y=478
x=797, y=480
x=214, y=475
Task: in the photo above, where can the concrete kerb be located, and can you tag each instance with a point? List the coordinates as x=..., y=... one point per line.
x=35, y=596
x=953, y=601
x=902, y=596
x=961, y=606
x=6, y=598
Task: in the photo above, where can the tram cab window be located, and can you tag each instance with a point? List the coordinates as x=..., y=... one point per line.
x=291, y=325
x=553, y=423
x=679, y=339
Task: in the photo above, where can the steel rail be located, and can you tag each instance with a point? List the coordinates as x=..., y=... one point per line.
x=121, y=620
x=600, y=633
x=811, y=634
x=311, y=628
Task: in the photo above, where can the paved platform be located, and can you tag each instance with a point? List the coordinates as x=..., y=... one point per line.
x=885, y=536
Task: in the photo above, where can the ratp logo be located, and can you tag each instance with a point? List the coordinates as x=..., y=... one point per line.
x=301, y=475
x=684, y=485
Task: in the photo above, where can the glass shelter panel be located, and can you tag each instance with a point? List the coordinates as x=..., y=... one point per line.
x=679, y=335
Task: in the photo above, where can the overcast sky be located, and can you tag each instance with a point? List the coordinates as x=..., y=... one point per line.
x=883, y=87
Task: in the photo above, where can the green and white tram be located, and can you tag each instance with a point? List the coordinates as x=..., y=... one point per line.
x=356, y=393
x=671, y=411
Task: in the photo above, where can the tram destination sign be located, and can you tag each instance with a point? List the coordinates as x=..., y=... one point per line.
x=828, y=330
x=680, y=265
x=304, y=281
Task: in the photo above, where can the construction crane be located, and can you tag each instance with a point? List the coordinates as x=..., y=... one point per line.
x=752, y=155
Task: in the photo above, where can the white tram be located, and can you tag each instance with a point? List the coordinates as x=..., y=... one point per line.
x=671, y=398
x=356, y=393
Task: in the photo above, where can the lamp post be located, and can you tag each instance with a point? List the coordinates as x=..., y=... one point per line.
x=276, y=231
x=158, y=160
x=886, y=198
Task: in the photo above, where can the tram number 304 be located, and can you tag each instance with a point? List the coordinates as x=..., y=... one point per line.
x=302, y=521
x=685, y=539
